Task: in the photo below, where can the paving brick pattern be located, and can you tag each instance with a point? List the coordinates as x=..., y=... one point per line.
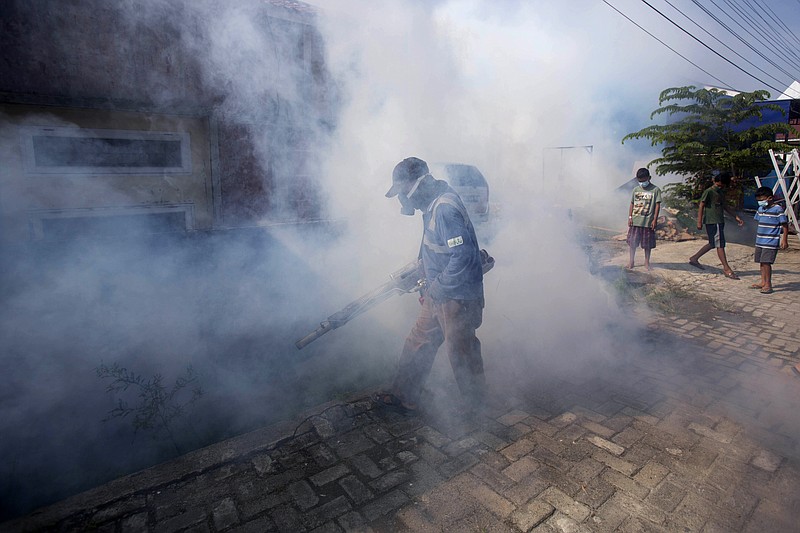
x=698, y=433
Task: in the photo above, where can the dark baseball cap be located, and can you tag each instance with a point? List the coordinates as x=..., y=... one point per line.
x=406, y=171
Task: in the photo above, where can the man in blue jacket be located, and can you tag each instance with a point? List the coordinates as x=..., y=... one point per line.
x=452, y=302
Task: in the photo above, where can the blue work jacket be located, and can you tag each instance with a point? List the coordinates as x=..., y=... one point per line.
x=450, y=254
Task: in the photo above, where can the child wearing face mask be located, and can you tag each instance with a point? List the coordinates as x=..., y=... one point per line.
x=772, y=234
x=643, y=217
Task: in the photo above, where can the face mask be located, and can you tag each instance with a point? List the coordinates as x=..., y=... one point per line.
x=644, y=183
x=763, y=203
x=420, y=193
x=406, y=208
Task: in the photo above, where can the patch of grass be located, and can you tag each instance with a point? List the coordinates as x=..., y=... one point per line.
x=629, y=291
x=666, y=296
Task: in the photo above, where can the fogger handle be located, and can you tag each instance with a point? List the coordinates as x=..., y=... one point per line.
x=403, y=281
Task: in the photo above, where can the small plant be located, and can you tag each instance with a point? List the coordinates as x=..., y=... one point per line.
x=668, y=296
x=158, y=406
x=624, y=290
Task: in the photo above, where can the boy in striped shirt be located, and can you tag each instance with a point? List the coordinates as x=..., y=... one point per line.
x=772, y=233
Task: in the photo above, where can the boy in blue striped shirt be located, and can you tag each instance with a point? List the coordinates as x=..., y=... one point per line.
x=772, y=233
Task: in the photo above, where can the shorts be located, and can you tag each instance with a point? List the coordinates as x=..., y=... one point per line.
x=765, y=255
x=638, y=235
x=716, y=235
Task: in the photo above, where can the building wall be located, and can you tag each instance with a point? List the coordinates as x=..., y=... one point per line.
x=41, y=188
x=93, y=65
x=790, y=115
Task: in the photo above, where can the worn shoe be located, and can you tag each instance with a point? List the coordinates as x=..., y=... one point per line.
x=390, y=401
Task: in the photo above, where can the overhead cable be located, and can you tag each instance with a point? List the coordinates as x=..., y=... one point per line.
x=781, y=23
x=711, y=49
x=774, y=41
x=769, y=28
x=723, y=44
x=739, y=37
x=750, y=46
x=723, y=85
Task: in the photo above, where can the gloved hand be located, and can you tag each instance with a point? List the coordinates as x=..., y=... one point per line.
x=435, y=291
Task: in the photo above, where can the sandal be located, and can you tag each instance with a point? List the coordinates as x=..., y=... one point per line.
x=389, y=400
x=756, y=286
x=731, y=275
x=766, y=291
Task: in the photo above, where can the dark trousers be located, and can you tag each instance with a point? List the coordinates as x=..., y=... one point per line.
x=452, y=322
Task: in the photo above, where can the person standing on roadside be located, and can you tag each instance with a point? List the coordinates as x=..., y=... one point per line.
x=772, y=233
x=643, y=217
x=711, y=213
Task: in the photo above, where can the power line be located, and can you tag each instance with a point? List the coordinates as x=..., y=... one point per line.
x=767, y=30
x=723, y=85
x=722, y=43
x=771, y=14
x=755, y=26
x=709, y=48
x=740, y=12
x=781, y=23
x=750, y=46
x=766, y=36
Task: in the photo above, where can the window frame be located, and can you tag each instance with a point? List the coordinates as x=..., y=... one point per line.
x=29, y=153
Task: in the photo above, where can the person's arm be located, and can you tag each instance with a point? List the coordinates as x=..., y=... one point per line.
x=655, y=216
x=700, y=210
x=784, y=236
x=630, y=215
x=732, y=213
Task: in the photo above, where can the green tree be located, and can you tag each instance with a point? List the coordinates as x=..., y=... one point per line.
x=706, y=135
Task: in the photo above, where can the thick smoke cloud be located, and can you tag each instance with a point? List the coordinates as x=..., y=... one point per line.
x=228, y=304
x=497, y=85
x=538, y=96
x=536, y=99
x=449, y=83
x=501, y=87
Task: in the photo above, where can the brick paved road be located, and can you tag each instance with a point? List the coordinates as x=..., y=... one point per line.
x=697, y=431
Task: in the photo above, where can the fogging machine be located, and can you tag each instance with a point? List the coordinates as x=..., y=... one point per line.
x=405, y=280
